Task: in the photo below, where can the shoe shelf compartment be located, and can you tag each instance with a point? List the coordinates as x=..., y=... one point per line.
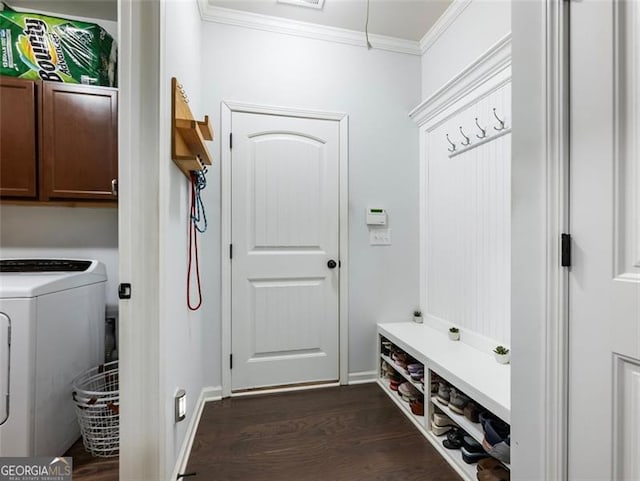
x=454, y=456
x=473, y=429
x=402, y=372
x=463, y=367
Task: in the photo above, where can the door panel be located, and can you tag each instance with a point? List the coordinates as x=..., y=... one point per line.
x=18, y=152
x=80, y=141
x=604, y=290
x=5, y=366
x=284, y=231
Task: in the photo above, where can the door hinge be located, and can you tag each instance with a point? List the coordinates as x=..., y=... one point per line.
x=565, y=251
x=231, y=141
x=230, y=251
x=124, y=291
x=230, y=361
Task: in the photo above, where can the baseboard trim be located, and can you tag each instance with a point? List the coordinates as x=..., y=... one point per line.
x=210, y=393
x=362, y=377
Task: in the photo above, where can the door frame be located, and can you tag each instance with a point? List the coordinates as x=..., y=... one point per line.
x=540, y=307
x=227, y=109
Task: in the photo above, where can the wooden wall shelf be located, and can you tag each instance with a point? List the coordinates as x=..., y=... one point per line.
x=188, y=135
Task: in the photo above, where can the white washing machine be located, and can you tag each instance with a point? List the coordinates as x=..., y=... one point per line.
x=52, y=315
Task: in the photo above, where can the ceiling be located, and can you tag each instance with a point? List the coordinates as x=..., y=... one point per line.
x=104, y=9
x=407, y=19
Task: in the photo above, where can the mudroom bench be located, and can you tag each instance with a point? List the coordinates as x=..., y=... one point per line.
x=464, y=367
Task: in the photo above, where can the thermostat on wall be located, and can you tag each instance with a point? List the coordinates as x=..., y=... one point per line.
x=376, y=216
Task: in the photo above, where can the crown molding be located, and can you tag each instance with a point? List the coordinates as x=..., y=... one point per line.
x=447, y=19
x=489, y=64
x=227, y=16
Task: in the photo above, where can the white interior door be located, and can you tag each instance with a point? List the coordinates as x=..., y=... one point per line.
x=285, y=220
x=604, y=370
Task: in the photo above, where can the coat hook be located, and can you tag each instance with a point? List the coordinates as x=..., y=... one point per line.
x=499, y=120
x=484, y=132
x=467, y=140
x=453, y=146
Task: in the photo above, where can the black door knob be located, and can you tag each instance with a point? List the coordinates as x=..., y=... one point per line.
x=332, y=264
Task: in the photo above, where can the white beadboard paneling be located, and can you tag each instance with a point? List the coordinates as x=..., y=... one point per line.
x=468, y=228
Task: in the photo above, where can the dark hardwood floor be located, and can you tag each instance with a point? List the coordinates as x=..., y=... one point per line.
x=88, y=468
x=350, y=433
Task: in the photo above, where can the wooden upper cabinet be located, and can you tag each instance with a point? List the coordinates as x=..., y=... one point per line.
x=79, y=142
x=18, y=138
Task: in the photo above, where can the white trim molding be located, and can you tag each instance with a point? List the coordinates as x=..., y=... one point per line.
x=539, y=286
x=227, y=108
x=362, y=377
x=487, y=66
x=213, y=393
x=267, y=23
x=447, y=19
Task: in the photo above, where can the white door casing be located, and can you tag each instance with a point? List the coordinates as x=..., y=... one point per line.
x=285, y=223
x=5, y=366
x=604, y=316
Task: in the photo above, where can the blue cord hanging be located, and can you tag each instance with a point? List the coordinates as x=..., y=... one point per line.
x=198, y=214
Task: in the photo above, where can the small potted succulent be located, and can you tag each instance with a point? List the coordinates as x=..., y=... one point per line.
x=501, y=354
x=454, y=333
x=417, y=316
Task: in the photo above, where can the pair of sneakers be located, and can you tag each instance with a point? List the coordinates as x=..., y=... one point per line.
x=451, y=397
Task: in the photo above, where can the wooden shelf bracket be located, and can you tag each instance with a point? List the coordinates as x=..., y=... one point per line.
x=188, y=135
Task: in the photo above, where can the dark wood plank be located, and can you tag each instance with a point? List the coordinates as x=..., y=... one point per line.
x=89, y=468
x=346, y=433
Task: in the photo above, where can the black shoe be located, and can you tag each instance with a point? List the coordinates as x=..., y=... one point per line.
x=470, y=458
x=471, y=445
x=454, y=439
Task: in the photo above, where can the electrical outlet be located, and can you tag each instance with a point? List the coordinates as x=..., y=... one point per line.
x=380, y=237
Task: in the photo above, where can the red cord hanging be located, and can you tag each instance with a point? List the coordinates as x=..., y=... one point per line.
x=193, y=249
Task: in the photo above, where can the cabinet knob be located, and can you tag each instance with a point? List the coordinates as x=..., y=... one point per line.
x=114, y=187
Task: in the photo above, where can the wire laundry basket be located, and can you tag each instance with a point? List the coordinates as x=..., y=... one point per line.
x=97, y=398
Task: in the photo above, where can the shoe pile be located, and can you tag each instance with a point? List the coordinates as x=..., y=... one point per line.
x=497, y=437
x=441, y=423
x=385, y=346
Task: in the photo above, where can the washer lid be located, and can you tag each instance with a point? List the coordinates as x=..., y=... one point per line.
x=20, y=278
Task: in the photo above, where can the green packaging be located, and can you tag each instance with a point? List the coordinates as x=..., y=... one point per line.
x=41, y=47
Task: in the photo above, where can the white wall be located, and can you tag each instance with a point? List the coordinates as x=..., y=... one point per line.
x=89, y=233
x=478, y=27
x=376, y=89
x=185, y=336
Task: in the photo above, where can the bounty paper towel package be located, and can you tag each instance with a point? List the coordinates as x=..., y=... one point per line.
x=41, y=47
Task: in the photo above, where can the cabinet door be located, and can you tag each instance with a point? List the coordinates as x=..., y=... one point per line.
x=18, y=145
x=79, y=141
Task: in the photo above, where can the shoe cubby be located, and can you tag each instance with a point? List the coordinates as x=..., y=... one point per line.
x=401, y=376
x=473, y=379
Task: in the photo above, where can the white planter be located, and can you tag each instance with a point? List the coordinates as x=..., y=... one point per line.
x=417, y=319
x=502, y=358
x=454, y=336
